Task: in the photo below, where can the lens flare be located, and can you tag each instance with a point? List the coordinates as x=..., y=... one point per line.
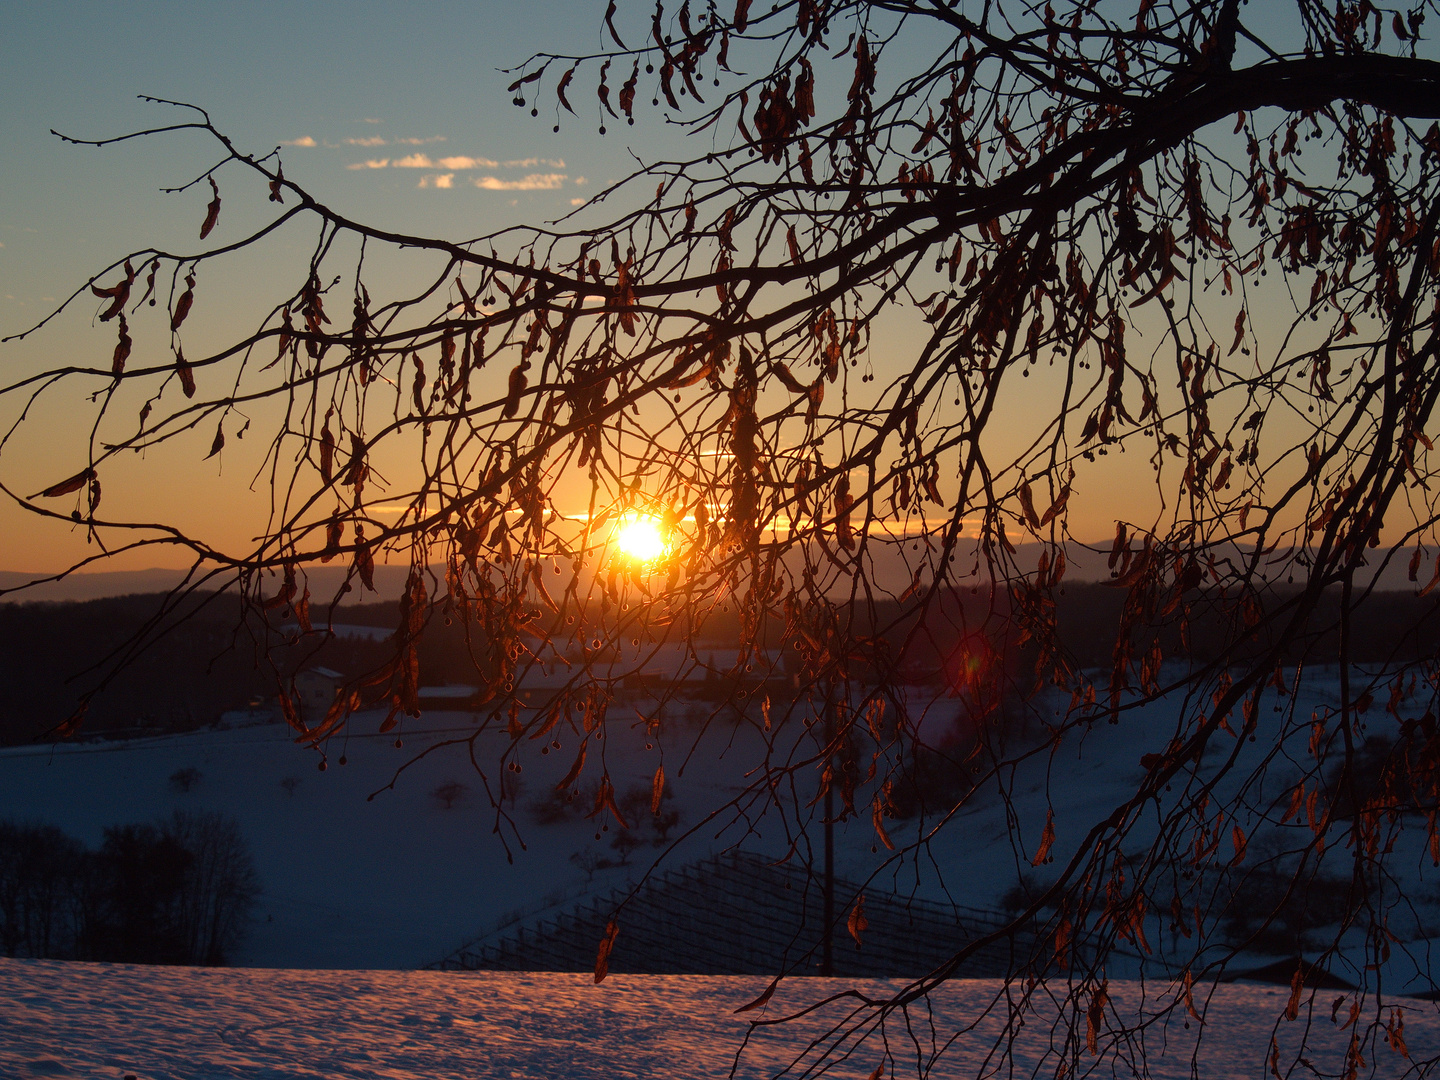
x=640, y=537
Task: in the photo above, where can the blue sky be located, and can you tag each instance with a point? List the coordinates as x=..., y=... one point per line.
x=354, y=79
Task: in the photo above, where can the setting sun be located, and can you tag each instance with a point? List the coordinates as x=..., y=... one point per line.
x=641, y=537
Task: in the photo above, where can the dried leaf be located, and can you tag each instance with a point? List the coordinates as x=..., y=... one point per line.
x=187, y=375
x=1190, y=995
x=286, y=593
x=763, y=998
x=1121, y=540
x=565, y=81
x=118, y=293
x=71, y=724
x=212, y=212
x=1027, y=503
x=334, y=530
x=356, y=471
x=1057, y=507
x=517, y=388
x=658, y=790
x=339, y=711
x=610, y=25
x=1395, y=1031
x=534, y=75
x=1239, y=332
x=66, y=487
x=122, y=351
x=327, y=454
x=1095, y=1017
x=602, y=955
x=364, y=562
x=857, y=924
x=877, y=816
x=574, y=773
x=1297, y=983
x=1047, y=838
x=182, y=306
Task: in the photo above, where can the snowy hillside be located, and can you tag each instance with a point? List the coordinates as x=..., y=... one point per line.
x=399, y=880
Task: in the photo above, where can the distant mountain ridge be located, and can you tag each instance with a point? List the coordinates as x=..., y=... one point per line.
x=100, y=585
x=1084, y=563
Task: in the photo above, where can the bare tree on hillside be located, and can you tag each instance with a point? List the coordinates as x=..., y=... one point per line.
x=1162, y=229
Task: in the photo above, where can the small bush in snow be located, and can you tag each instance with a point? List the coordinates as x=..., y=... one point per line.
x=449, y=793
x=182, y=780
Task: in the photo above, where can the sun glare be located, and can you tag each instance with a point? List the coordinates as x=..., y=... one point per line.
x=640, y=537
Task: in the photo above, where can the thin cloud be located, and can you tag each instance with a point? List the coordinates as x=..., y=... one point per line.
x=414, y=161
x=533, y=182
x=305, y=140
x=580, y=181
x=442, y=181
x=369, y=140
x=373, y=163
x=468, y=163
x=372, y=120
x=531, y=162
x=577, y=202
x=422, y=142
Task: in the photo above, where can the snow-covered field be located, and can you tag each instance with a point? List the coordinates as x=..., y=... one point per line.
x=348, y=881
x=396, y=881
x=98, y=1020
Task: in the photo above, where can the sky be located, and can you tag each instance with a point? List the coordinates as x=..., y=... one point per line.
x=396, y=114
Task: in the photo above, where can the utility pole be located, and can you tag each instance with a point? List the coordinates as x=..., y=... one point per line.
x=827, y=949
x=827, y=942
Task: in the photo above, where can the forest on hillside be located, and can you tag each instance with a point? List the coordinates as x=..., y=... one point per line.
x=161, y=667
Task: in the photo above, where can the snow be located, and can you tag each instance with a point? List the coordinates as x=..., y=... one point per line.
x=355, y=884
x=397, y=881
x=73, y=1020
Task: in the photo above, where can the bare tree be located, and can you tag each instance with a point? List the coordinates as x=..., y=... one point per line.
x=40, y=912
x=1148, y=229
x=220, y=886
x=449, y=793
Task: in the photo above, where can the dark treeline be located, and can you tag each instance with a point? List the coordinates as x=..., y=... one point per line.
x=178, y=891
x=215, y=657
x=1385, y=627
x=200, y=661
